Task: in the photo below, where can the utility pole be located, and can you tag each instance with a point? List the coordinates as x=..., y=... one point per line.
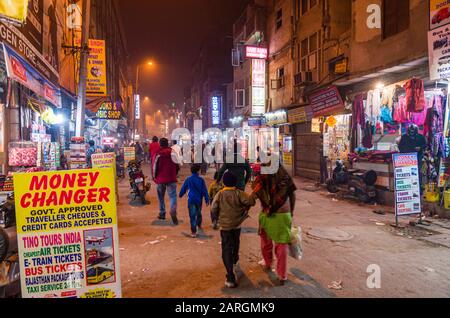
x=135, y=102
x=81, y=112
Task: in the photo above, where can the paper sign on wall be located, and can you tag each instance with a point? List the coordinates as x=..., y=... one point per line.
x=67, y=234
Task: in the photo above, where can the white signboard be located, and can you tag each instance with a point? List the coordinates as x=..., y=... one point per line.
x=439, y=53
x=407, y=184
x=258, y=87
x=137, y=107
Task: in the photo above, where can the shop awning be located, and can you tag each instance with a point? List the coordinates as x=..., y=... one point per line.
x=22, y=72
x=391, y=71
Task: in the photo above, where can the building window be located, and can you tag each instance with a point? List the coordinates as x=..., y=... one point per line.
x=309, y=55
x=279, y=19
x=395, y=17
x=280, y=77
x=240, y=98
x=308, y=5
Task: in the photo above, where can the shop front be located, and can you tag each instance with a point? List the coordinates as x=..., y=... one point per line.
x=324, y=138
x=384, y=113
x=279, y=121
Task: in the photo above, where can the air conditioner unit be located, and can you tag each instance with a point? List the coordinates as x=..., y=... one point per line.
x=307, y=77
x=299, y=94
x=235, y=58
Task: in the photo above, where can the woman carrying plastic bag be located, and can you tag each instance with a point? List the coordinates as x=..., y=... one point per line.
x=277, y=195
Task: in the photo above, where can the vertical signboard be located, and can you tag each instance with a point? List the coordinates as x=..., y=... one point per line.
x=137, y=106
x=67, y=234
x=258, y=87
x=96, y=77
x=14, y=9
x=216, y=109
x=407, y=185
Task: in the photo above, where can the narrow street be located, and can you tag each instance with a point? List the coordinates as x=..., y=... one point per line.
x=160, y=260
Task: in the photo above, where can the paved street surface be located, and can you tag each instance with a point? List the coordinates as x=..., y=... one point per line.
x=341, y=239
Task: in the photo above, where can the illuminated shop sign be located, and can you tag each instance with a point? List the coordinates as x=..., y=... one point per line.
x=256, y=52
x=137, y=107
x=216, y=108
x=258, y=87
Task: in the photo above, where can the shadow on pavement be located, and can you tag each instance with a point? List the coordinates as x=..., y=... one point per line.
x=249, y=230
x=165, y=223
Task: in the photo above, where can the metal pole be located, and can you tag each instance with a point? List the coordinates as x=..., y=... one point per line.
x=81, y=103
x=137, y=93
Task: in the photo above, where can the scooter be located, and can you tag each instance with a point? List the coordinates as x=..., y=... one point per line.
x=356, y=183
x=137, y=181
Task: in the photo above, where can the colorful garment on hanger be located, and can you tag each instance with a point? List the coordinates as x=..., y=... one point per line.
x=359, y=116
x=367, y=140
x=400, y=113
x=387, y=97
x=434, y=121
x=386, y=115
x=373, y=107
x=415, y=95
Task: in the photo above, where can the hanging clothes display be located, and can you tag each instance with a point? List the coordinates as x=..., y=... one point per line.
x=373, y=107
x=415, y=95
x=359, y=117
x=400, y=113
x=367, y=140
x=434, y=128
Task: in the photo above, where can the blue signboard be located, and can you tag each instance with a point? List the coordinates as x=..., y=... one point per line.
x=216, y=109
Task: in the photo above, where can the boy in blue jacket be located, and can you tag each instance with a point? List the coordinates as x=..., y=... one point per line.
x=197, y=191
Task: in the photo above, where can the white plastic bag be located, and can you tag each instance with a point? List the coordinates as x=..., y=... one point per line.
x=295, y=248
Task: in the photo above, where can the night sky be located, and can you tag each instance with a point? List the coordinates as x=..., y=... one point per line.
x=170, y=33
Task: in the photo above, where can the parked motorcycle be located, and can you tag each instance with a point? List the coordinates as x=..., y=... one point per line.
x=9, y=260
x=138, y=181
x=356, y=183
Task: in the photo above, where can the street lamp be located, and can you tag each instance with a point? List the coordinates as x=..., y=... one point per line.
x=150, y=63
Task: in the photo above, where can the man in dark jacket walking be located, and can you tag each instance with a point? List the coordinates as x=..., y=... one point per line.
x=242, y=171
x=165, y=172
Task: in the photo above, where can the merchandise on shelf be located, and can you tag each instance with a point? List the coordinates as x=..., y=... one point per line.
x=22, y=154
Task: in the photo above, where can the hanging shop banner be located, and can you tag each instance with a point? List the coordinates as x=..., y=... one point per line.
x=67, y=234
x=110, y=111
x=438, y=53
x=14, y=9
x=255, y=122
x=326, y=101
x=106, y=161
x=256, y=52
x=39, y=40
x=129, y=154
x=258, y=87
x=276, y=118
x=96, y=78
x=439, y=13
x=298, y=115
x=20, y=71
x=407, y=186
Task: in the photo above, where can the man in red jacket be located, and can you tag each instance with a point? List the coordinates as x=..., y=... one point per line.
x=165, y=172
x=154, y=147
